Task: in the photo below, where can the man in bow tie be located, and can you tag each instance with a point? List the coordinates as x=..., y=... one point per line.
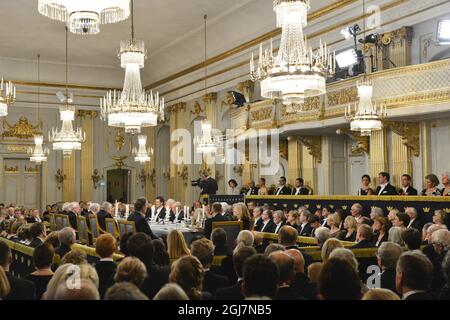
x=282, y=189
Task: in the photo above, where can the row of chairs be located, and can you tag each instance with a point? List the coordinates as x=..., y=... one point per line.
x=89, y=229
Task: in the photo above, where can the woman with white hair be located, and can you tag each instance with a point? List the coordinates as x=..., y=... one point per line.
x=446, y=182
x=395, y=235
x=245, y=238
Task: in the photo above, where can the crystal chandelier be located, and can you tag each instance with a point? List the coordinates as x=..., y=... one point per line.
x=206, y=143
x=133, y=107
x=142, y=154
x=365, y=116
x=296, y=73
x=85, y=16
x=38, y=154
x=67, y=139
x=7, y=96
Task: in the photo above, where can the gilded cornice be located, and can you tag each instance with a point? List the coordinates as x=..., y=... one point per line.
x=314, y=145
x=87, y=114
x=21, y=130
x=178, y=107
x=362, y=142
x=410, y=133
x=209, y=98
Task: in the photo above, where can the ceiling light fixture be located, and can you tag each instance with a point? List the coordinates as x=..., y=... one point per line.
x=132, y=108
x=443, y=32
x=142, y=154
x=296, y=73
x=7, y=96
x=85, y=16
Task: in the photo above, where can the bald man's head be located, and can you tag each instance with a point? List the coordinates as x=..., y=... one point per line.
x=286, y=265
x=298, y=258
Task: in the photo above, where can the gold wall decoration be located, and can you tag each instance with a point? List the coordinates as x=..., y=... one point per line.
x=184, y=174
x=362, y=143
x=143, y=176
x=119, y=161
x=209, y=98
x=283, y=148
x=96, y=177
x=343, y=96
x=228, y=101
x=204, y=169
x=119, y=138
x=178, y=107
x=59, y=177
x=261, y=114
x=246, y=88
x=197, y=109
x=410, y=133
x=238, y=170
x=152, y=177
x=218, y=176
x=314, y=145
x=11, y=169
x=31, y=169
x=18, y=148
x=21, y=130
x=87, y=114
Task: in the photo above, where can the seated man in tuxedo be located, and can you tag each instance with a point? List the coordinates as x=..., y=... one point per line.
x=300, y=189
x=258, y=224
x=414, y=274
x=203, y=250
x=73, y=210
x=160, y=209
x=387, y=257
x=138, y=216
x=283, y=189
x=407, y=189
x=385, y=188
x=364, y=236
x=178, y=207
x=20, y=289
x=252, y=188
x=170, y=209
x=278, y=220
x=216, y=212
x=234, y=292
x=35, y=217
x=304, y=229
x=357, y=212
x=268, y=224
x=414, y=221
x=105, y=212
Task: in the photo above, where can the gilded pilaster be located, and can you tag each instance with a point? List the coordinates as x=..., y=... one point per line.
x=210, y=103
x=175, y=187
x=311, y=156
x=87, y=153
x=149, y=167
x=69, y=192
x=378, y=154
x=294, y=159
x=401, y=159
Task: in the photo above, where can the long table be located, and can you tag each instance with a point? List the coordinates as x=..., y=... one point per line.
x=162, y=230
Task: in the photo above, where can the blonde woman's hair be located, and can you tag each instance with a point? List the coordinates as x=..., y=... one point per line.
x=187, y=272
x=5, y=288
x=64, y=272
x=336, y=219
x=351, y=223
x=296, y=216
x=131, y=270
x=328, y=247
x=314, y=271
x=176, y=245
x=171, y=291
x=242, y=211
x=380, y=294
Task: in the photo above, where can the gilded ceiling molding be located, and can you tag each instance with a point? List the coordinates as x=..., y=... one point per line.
x=86, y=114
x=404, y=33
x=209, y=98
x=314, y=145
x=362, y=142
x=410, y=133
x=119, y=161
x=261, y=114
x=228, y=101
x=21, y=130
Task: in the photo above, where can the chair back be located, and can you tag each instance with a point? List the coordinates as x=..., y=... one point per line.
x=93, y=222
x=83, y=230
x=232, y=229
x=111, y=227
x=126, y=227
x=217, y=261
x=62, y=221
x=52, y=221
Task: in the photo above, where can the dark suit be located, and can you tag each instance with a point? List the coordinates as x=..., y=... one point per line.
x=269, y=227
x=284, y=190
x=230, y=293
x=304, y=231
x=415, y=224
x=228, y=216
x=141, y=224
x=101, y=216
x=21, y=289
x=410, y=191
x=72, y=219
x=212, y=281
x=157, y=277
x=208, y=224
x=419, y=296
x=252, y=191
x=389, y=190
x=208, y=186
x=105, y=271
x=282, y=223
x=180, y=216
x=62, y=250
x=259, y=224
x=304, y=287
x=36, y=242
x=161, y=215
x=288, y=293
x=363, y=244
x=387, y=279
x=301, y=192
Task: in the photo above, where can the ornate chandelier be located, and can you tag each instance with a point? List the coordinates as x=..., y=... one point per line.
x=133, y=107
x=85, y=16
x=296, y=73
x=206, y=143
x=67, y=139
x=38, y=154
x=7, y=97
x=142, y=154
x=365, y=116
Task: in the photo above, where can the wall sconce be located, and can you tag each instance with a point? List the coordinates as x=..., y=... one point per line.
x=184, y=174
x=59, y=177
x=96, y=178
x=143, y=176
x=166, y=173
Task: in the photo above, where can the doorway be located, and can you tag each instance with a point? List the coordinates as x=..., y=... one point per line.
x=118, y=185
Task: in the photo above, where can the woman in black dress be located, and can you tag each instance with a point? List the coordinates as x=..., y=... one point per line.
x=365, y=189
x=42, y=259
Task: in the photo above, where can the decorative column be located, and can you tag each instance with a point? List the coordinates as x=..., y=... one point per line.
x=294, y=159
x=69, y=192
x=311, y=156
x=87, y=153
x=426, y=146
x=150, y=167
x=378, y=154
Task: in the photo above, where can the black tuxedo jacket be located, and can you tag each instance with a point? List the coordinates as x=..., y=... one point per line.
x=21, y=289
x=388, y=191
x=305, y=231
x=230, y=293
x=180, y=216
x=36, y=242
x=213, y=281
x=281, y=226
x=363, y=244
x=141, y=224
x=419, y=296
x=409, y=192
x=101, y=216
x=387, y=279
x=157, y=277
x=62, y=250
x=208, y=225
x=253, y=191
x=416, y=224
x=302, y=192
x=106, y=271
x=269, y=227
x=228, y=216
x=285, y=190
x=73, y=219
x=162, y=214
x=209, y=186
x=259, y=224
x=288, y=293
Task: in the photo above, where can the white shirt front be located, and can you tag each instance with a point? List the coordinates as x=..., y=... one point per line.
x=264, y=224
x=279, y=190
x=382, y=188
x=278, y=227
